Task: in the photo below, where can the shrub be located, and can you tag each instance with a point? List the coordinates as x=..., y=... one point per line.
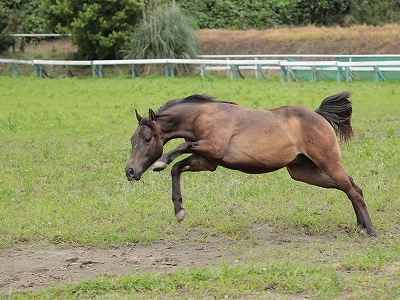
x=6, y=41
x=164, y=33
x=262, y=14
x=99, y=28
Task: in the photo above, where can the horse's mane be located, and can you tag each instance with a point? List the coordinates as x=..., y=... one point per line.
x=196, y=98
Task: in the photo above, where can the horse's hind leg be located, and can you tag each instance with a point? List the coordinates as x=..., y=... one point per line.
x=360, y=220
x=192, y=163
x=356, y=196
x=304, y=169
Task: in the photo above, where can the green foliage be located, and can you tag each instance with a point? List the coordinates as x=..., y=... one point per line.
x=165, y=33
x=234, y=14
x=261, y=14
x=322, y=12
x=374, y=12
x=25, y=16
x=5, y=40
x=99, y=28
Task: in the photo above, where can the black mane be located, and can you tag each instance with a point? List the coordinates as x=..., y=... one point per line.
x=196, y=98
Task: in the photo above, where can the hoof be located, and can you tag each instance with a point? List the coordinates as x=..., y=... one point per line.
x=159, y=166
x=180, y=215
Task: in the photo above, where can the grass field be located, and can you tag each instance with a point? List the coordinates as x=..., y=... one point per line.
x=64, y=144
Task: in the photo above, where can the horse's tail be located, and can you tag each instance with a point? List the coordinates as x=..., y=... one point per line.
x=337, y=109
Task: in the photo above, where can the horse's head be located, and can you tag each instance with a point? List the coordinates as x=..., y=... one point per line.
x=147, y=146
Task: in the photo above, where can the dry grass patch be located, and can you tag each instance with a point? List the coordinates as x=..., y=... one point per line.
x=303, y=40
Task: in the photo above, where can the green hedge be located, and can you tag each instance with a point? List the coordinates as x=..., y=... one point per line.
x=262, y=14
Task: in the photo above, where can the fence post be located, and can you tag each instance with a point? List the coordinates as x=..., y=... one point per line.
x=40, y=71
x=36, y=70
x=235, y=72
x=378, y=74
x=167, y=71
x=134, y=73
x=94, y=71
x=69, y=72
x=349, y=76
x=283, y=73
x=16, y=70
x=257, y=70
x=203, y=70
x=290, y=74
x=260, y=71
x=101, y=73
x=97, y=71
x=339, y=73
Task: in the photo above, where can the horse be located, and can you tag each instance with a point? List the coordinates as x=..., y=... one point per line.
x=222, y=133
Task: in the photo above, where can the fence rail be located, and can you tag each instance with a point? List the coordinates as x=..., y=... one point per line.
x=39, y=35
x=342, y=65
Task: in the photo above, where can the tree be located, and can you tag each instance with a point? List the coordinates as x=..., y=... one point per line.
x=24, y=16
x=100, y=28
x=6, y=41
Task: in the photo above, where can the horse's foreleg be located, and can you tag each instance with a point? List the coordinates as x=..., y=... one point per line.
x=168, y=157
x=192, y=163
x=206, y=148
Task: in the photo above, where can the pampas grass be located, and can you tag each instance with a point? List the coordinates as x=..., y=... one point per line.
x=164, y=33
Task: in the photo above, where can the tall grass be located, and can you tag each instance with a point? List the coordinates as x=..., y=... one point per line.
x=165, y=33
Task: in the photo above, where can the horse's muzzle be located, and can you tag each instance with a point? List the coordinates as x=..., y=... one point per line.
x=132, y=175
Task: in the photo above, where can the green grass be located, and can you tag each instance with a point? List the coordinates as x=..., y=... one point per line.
x=239, y=280
x=64, y=144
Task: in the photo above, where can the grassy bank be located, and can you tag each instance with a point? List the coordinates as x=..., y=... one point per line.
x=303, y=40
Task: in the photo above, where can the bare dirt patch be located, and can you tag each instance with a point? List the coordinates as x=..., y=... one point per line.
x=32, y=269
x=27, y=269
x=63, y=45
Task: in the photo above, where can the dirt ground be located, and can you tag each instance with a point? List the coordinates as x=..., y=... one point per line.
x=32, y=269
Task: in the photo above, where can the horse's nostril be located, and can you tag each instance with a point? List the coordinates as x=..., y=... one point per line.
x=129, y=172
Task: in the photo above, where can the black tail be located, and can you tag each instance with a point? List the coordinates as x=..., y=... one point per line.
x=337, y=109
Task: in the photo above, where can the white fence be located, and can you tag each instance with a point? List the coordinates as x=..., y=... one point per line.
x=234, y=65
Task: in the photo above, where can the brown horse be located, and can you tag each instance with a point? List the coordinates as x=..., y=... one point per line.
x=252, y=141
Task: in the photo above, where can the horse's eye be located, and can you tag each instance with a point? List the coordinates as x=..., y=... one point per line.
x=147, y=139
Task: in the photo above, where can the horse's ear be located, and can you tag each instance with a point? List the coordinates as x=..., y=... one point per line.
x=138, y=117
x=152, y=114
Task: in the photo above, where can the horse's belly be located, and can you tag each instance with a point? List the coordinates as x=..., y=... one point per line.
x=261, y=161
x=251, y=168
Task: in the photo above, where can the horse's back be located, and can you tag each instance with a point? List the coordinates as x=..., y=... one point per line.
x=261, y=140
x=266, y=140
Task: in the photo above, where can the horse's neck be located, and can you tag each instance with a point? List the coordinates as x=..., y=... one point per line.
x=175, y=127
